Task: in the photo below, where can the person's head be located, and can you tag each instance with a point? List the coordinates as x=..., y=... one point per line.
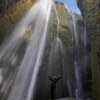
x=54, y=77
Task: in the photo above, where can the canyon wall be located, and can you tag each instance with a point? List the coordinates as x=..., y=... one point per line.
x=10, y=12
x=91, y=12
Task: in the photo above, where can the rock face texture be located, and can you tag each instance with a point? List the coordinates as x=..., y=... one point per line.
x=91, y=12
x=10, y=12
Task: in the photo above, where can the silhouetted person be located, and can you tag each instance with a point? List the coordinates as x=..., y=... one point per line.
x=53, y=85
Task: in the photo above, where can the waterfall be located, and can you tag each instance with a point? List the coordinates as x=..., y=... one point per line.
x=36, y=23
x=34, y=49
x=80, y=63
x=76, y=61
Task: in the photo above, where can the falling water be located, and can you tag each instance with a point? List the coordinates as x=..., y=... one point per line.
x=22, y=53
x=39, y=57
x=77, y=62
x=63, y=58
x=57, y=19
x=24, y=83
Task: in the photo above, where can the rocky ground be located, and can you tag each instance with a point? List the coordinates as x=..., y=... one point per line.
x=71, y=99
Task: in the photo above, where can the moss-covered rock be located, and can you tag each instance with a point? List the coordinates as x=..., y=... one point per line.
x=66, y=38
x=91, y=12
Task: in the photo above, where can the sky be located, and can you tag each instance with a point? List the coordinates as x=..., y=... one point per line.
x=71, y=4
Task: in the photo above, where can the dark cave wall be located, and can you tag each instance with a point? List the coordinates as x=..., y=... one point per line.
x=91, y=12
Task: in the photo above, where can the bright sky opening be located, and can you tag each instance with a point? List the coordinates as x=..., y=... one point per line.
x=72, y=4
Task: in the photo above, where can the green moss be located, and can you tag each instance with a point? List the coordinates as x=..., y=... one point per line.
x=65, y=36
x=63, y=30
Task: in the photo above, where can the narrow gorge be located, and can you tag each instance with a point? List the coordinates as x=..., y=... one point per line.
x=41, y=38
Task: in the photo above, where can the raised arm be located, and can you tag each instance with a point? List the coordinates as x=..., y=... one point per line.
x=50, y=78
x=58, y=78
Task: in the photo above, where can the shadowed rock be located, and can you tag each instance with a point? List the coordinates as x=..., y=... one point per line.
x=72, y=99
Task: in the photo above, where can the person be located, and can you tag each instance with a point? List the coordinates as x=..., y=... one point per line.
x=53, y=80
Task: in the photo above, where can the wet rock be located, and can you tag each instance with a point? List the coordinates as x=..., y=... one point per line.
x=91, y=10
x=10, y=13
x=72, y=99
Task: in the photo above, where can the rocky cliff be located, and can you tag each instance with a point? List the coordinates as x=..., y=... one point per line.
x=91, y=12
x=10, y=12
